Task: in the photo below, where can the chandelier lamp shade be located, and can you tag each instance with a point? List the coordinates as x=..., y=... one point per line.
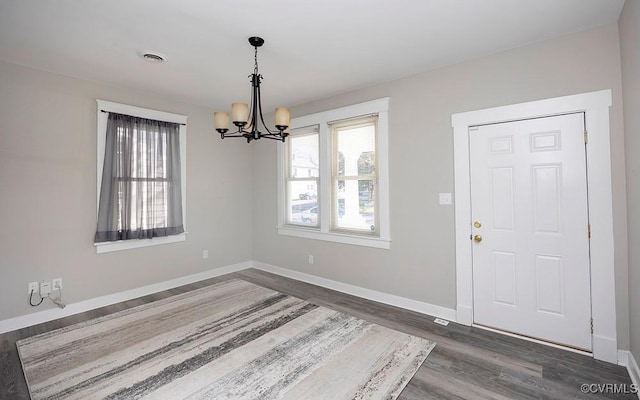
x=247, y=117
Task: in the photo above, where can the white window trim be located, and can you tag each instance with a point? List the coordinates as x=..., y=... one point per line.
x=383, y=241
x=103, y=105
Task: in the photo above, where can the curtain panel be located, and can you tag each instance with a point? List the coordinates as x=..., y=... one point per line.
x=141, y=192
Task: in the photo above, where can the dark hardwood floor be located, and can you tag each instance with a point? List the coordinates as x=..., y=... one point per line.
x=467, y=363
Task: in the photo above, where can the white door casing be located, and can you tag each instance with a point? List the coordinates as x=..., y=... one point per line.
x=595, y=105
x=529, y=207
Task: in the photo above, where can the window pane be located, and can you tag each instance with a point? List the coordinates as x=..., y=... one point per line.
x=143, y=200
x=354, y=161
x=303, y=156
x=355, y=206
x=356, y=150
x=302, y=177
x=302, y=202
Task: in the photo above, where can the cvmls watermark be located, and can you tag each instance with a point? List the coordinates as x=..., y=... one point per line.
x=609, y=388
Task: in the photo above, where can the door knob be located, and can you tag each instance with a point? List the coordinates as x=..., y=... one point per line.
x=477, y=238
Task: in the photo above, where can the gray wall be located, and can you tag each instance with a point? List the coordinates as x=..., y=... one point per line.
x=629, y=25
x=421, y=262
x=47, y=178
x=48, y=193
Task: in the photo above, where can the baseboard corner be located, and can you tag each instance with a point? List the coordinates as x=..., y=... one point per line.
x=626, y=359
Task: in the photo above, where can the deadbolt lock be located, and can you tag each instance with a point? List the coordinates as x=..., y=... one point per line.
x=477, y=224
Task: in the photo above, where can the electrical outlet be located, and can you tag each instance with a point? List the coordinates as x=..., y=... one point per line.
x=45, y=288
x=310, y=259
x=56, y=284
x=34, y=288
x=205, y=254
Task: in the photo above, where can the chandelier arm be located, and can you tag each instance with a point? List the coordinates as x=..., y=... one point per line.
x=276, y=136
x=261, y=117
x=250, y=120
x=236, y=134
x=241, y=131
x=273, y=136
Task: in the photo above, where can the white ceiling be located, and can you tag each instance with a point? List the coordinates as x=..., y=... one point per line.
x=313, y=49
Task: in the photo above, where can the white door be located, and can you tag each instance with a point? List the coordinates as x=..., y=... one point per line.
x=530, y=229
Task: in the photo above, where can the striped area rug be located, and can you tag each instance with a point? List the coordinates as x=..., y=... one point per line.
x=231, y=340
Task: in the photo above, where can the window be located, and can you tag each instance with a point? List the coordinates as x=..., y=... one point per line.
x=354, y=179
x=333, y=176
x=302, y=177
x=141, y=177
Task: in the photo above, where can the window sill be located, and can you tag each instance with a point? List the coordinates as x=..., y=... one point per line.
x=379, y=243
x=108, y=247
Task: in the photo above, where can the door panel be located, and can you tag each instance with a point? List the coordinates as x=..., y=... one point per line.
x=504, y=277
x=529, y=195
x=550, y=284
x=546, y=198
x=502, y=198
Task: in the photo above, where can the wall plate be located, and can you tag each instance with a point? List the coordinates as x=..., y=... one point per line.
x=33, y=287
x=445, y=199
x=45, y=288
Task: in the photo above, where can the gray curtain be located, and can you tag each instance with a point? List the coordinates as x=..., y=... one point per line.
x=141, y=194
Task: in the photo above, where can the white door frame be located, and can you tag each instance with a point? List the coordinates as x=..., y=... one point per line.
x=595, y=105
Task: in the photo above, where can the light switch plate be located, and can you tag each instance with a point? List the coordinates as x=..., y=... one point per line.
x=445, y=199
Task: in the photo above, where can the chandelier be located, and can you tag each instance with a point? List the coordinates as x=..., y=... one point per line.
x=246, y=118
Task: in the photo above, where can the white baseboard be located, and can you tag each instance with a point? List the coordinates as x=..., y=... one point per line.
x=23, y=321
x=626, y=359
x=390, y=299
x=605, y=344
x=634, y=371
